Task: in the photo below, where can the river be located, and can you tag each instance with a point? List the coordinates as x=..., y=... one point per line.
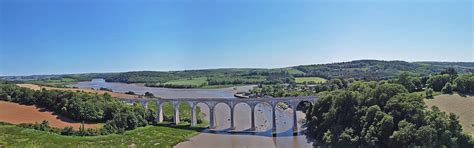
x=219, y=137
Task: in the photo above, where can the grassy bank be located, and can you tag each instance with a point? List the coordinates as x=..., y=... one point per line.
x=310, y=80
x=149, y=136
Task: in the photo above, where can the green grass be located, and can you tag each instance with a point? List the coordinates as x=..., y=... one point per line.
x=53, y=80
x=294, y=71
x=423, y=94
x=189, y=81
x=149, y=136
x=310, y=79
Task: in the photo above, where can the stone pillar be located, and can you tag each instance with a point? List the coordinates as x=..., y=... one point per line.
x=144, y=104
x=232, y=126
x=252, y=109
x=274, y=127
x=295, y=121
x=159, y=111
x=176, y=113
x=211, y=118
x=193, y=115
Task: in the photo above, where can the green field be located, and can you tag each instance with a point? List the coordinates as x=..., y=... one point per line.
x=189, y=81
x=310, y=80
x=149, y=136
x=294, y=71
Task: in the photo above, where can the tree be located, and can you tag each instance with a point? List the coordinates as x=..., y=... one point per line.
x=437, y=82
x=465, y=83
x=130, y=92
x=407, y=81
x=451, y=72
x=429, y=93
x=447, y=89
x=149, y=95
x=68, y=130
x=384, y=92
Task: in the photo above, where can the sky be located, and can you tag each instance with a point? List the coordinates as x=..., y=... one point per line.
x=83, y=36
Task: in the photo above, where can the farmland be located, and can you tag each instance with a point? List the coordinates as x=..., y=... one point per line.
x=310, y=80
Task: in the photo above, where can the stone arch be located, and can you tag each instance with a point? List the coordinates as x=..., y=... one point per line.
x=243, y=115
x=167, y=109
x=259, y=110
x=201, y=109
x=302, y=105
x=224, y=115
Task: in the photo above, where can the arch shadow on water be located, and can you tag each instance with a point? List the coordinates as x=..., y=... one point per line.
x=266, y=133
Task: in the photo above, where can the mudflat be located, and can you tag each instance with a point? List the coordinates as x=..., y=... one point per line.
x=16, y=113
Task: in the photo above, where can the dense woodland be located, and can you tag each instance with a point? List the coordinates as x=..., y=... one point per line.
x=387, y=113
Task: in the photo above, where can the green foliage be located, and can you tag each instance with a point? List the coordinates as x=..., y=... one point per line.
x=465, y=84
x=81, y=106
x=448, y=88
x=149, y=95
x=384, y=115
x=149, y=136
x=130, y=93
x=409, y=82
x=429, y=93
x=437, y=82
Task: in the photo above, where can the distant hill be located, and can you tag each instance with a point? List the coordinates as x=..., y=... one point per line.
x=359, y=69
x=376, y=69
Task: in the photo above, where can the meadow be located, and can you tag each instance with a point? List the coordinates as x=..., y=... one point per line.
x=310, y=80
x=149, y=136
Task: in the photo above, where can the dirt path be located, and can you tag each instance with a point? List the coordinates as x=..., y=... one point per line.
x=15, y=113
x=113, y=94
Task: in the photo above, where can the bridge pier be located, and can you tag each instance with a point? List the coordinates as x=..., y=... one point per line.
x=211, y=103
x=193, y=114
x=295, y=120
x=159, y=112
x=211, y=118
x=145, y=104
x=274, y=128
x=252, y=108
x=176, y=112
x=232, y=126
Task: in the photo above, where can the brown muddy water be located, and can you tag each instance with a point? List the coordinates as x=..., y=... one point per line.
x=220, y=137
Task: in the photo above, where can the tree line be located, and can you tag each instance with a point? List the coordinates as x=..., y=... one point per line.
x=381, y=115
x=81, y=106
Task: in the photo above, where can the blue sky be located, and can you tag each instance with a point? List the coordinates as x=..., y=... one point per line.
x=80, y=36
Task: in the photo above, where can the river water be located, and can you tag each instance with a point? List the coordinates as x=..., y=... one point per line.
x=219, y=137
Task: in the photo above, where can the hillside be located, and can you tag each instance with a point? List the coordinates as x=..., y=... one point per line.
x=360, y=69
x=376, y=70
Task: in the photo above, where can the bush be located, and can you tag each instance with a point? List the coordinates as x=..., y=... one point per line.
x=465, y=83
x=429, y=93
x=130, y=92
x=447, y=89
x=68, y=130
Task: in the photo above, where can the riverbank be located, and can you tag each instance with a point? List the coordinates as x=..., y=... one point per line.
x=89, y=90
